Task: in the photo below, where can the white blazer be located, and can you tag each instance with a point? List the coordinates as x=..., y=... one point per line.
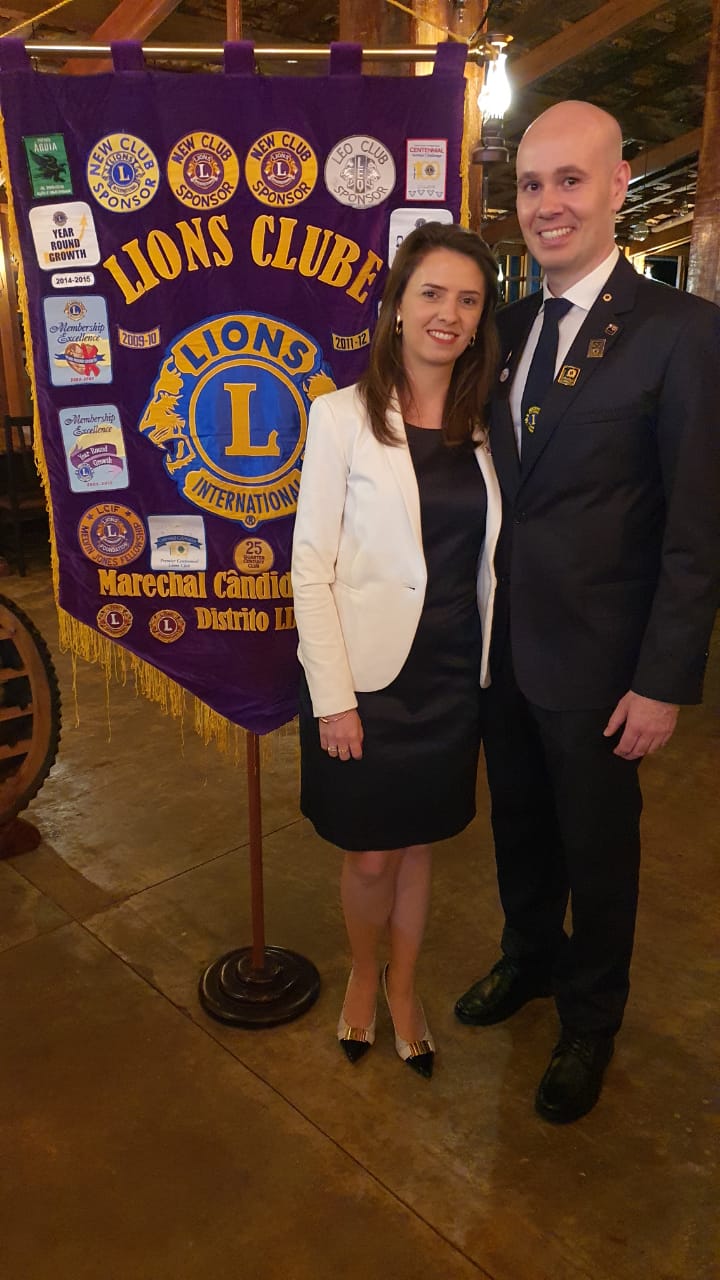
x=358, y=568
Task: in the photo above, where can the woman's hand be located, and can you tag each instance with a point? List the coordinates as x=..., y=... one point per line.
x=342, y=735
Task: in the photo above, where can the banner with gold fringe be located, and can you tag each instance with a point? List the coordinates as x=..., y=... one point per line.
x=203, y=255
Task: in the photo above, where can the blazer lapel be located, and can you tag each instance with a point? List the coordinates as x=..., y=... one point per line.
x=400, y=463
x=597, y=335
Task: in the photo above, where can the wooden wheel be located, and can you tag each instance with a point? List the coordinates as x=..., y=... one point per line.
x=29, y=711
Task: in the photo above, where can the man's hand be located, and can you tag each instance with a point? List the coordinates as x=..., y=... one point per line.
x=649, y=725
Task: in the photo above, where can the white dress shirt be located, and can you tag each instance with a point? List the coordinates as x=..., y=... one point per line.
x=582, y=295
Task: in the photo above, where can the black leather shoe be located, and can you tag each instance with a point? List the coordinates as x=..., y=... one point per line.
x=572, y=1083
x=507, y=987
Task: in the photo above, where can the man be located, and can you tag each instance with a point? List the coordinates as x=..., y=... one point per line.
x=607, y=588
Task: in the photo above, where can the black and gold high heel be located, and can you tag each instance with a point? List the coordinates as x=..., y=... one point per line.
x=418, y=1054
x=354, y=1041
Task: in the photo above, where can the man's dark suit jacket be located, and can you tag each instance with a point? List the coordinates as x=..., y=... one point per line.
x=610, y=556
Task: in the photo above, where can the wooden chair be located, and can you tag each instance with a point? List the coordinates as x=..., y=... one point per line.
x=21, y=493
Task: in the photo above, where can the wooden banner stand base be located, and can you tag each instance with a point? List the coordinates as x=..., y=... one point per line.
x=231, y=990
x=258, y=986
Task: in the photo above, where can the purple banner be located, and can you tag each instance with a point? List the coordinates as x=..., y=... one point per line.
x=204, y=256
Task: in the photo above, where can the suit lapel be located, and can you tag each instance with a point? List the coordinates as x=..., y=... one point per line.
x=599, y=332
x=502, y=431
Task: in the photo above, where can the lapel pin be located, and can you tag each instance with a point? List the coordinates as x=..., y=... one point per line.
x=596, y=348
x=607, y=297
x=611, y=330
x=531, y=417
x=568, y=375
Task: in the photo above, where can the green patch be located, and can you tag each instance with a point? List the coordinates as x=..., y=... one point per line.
x=48, y=165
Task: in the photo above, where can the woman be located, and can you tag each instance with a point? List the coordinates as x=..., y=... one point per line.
x=397, y=520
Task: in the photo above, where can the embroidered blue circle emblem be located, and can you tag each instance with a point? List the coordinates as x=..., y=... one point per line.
x=229, y=410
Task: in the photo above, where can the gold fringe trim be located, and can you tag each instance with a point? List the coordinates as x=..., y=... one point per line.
x=465, y=162
x=40, y=461
x=280, y=747
x=82, y=641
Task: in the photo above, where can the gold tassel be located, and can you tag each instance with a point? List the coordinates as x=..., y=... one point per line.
x=40, y=461
x=465, y=165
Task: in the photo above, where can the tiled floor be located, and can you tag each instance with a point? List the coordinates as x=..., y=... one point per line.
x=140, y=1140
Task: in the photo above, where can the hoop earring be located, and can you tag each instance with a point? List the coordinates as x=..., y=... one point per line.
x=471, y=343
x=398, y=325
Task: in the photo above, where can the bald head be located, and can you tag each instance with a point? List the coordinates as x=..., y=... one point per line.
x=596, y=127
x=572, y=181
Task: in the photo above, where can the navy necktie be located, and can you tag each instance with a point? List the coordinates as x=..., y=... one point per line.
x=541, y=373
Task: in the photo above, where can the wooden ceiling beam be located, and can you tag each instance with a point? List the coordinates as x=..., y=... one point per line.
x=666, y=154
x=577, y=39
x=129, y=20
x=187, y=28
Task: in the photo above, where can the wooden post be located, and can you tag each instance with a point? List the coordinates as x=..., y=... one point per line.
x=233, y=23
x=373, y=24
x=438, y=14
x=704, y=265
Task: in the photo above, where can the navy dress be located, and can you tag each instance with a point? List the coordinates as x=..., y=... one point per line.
x=415, y=783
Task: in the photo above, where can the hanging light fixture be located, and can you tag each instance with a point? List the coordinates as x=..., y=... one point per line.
x=496, y=95
x=639, y=231
x=493, y=101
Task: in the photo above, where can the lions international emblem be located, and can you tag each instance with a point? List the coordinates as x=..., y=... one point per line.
x=229, y=410
x=281, y=168
x=203, y=170
x=122, y=173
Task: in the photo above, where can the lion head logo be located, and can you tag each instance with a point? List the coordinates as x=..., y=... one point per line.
x=162, y=423
x=229, y=410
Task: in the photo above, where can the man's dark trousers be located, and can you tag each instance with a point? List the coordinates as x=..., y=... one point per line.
x=565, y=817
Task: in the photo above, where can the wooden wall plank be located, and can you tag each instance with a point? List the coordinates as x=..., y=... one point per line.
x=704, y=263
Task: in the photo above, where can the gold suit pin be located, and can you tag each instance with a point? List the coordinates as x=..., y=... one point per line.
x=611, y=330
x=596, y=348
x=568, y=375
x=531, y=417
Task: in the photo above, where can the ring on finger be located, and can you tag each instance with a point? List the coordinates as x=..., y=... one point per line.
x=332, y=751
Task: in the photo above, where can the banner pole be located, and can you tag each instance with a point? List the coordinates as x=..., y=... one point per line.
x=270, y=53
x=257, y=897
x=257, y=986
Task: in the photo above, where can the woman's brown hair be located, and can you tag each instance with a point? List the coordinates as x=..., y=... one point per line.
x=474, y=370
